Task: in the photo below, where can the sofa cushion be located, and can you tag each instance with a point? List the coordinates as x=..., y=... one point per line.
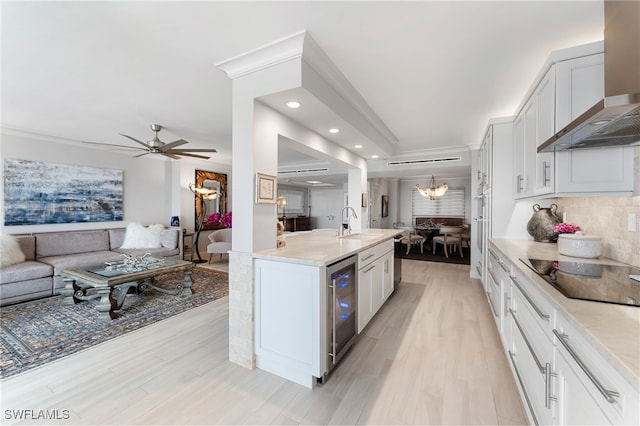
x=70, y=242
x=27, y=245
x=139, y=236
x=25, y=290
x=28, y=270
x=10, y=252
x=80, y=260
x=169, y=238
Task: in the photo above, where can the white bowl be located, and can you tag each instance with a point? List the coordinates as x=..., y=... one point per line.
x=580, y=245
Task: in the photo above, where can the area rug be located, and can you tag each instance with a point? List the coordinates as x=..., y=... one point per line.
x=34, y=333
x=428, y=256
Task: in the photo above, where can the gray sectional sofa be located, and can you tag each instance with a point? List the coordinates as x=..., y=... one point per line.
x=49, y=253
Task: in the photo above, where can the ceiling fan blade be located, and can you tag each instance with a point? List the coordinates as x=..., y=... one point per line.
x=196, y=150
x=175, y=157
x=140, y=155
x=187, y=154
x=136, y=140
x=114, y=145
x=173, y=144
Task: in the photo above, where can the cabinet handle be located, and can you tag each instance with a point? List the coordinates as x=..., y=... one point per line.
x=369, y=268
x=332, y=354
x=524, y=390
x=519, y=184
x=503, y=266
x=547, y=388
x=479, y=270
x=545, y=175
x=507, y=302
x=531, y=302
x=609, y=395
x=526, y=341
x=369, y=256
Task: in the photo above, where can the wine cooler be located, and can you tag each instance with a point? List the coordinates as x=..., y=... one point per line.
x=341, y=307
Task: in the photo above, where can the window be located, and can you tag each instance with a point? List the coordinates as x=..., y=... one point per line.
x=451, y=204
x=295, y=200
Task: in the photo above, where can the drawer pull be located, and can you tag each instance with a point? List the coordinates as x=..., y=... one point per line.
x=369, y=268
x=543, y=369
x=609, y=395
x=531, y=302
x=503, y=266
x=524, y=390
x=369, y=256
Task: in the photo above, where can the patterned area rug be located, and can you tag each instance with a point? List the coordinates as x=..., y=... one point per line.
x=34, y=333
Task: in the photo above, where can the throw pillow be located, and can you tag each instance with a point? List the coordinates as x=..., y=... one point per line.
x=140, y=237
x=10, y=252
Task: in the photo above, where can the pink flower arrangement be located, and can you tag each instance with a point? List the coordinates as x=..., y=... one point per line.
x=566, y=228
x=224, y=219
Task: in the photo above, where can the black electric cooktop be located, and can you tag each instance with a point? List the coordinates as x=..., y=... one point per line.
x=590, y=281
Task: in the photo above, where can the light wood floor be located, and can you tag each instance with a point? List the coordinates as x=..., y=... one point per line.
x=431, y=356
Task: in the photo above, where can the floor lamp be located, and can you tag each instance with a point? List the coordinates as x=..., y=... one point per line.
x=201, y=194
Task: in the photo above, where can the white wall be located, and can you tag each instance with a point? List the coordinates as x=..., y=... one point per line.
x=151, y=184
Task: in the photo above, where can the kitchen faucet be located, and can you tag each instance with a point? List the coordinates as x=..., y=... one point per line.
x=341, y=228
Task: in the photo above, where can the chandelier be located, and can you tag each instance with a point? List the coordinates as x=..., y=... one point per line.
x=433, y=191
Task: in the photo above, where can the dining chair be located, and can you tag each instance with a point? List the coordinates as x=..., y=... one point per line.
x=449, y=236
x=465, y=235
x=409, y=236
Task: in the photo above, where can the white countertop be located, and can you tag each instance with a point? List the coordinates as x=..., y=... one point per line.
x=614, y=330
x=321, y=247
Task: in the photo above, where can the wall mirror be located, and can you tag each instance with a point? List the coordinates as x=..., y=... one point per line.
x=211, y=180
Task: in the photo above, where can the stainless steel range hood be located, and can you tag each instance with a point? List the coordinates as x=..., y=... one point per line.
x=615, y=120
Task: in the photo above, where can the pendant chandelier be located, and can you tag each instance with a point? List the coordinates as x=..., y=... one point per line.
x=433, y=191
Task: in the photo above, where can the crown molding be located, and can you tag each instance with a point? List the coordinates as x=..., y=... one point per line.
x=268, y=55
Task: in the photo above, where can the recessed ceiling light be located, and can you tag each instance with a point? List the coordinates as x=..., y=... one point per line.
x=293, y=104
x=374, y=156
x=334, y=130
x=313, y=182
x=357, y=146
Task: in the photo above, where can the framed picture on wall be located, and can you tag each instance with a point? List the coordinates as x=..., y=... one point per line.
x=385, y=205
x=265, y=189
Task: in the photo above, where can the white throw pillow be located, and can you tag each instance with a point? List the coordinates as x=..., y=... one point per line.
x=10, y=252
x=139, y=237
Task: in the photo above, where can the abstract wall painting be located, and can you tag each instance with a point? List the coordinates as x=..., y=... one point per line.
x=37, y=193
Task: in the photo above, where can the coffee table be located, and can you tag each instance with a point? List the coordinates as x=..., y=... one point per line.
x=111, y=281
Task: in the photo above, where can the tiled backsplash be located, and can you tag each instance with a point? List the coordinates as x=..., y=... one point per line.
x=608, y=218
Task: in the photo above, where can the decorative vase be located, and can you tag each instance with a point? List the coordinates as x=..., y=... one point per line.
x=541, y=224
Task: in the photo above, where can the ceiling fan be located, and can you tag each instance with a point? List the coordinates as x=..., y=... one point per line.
x=171, y=150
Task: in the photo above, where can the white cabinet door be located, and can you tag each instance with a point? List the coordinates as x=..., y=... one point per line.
x=366, y=278
x=518, y=156
x=387, y=282
x=580, y=85
x=575, y=405
x=545, y=124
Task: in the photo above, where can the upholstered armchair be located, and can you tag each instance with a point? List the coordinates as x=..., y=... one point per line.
x=220, y=242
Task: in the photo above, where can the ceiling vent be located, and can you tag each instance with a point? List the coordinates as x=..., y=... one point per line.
x=425, y=161
x=295, y=172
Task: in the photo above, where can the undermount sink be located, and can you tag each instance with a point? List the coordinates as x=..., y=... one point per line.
x=362, y=236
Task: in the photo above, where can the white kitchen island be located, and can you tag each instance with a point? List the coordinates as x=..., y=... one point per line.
x=291, y=293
